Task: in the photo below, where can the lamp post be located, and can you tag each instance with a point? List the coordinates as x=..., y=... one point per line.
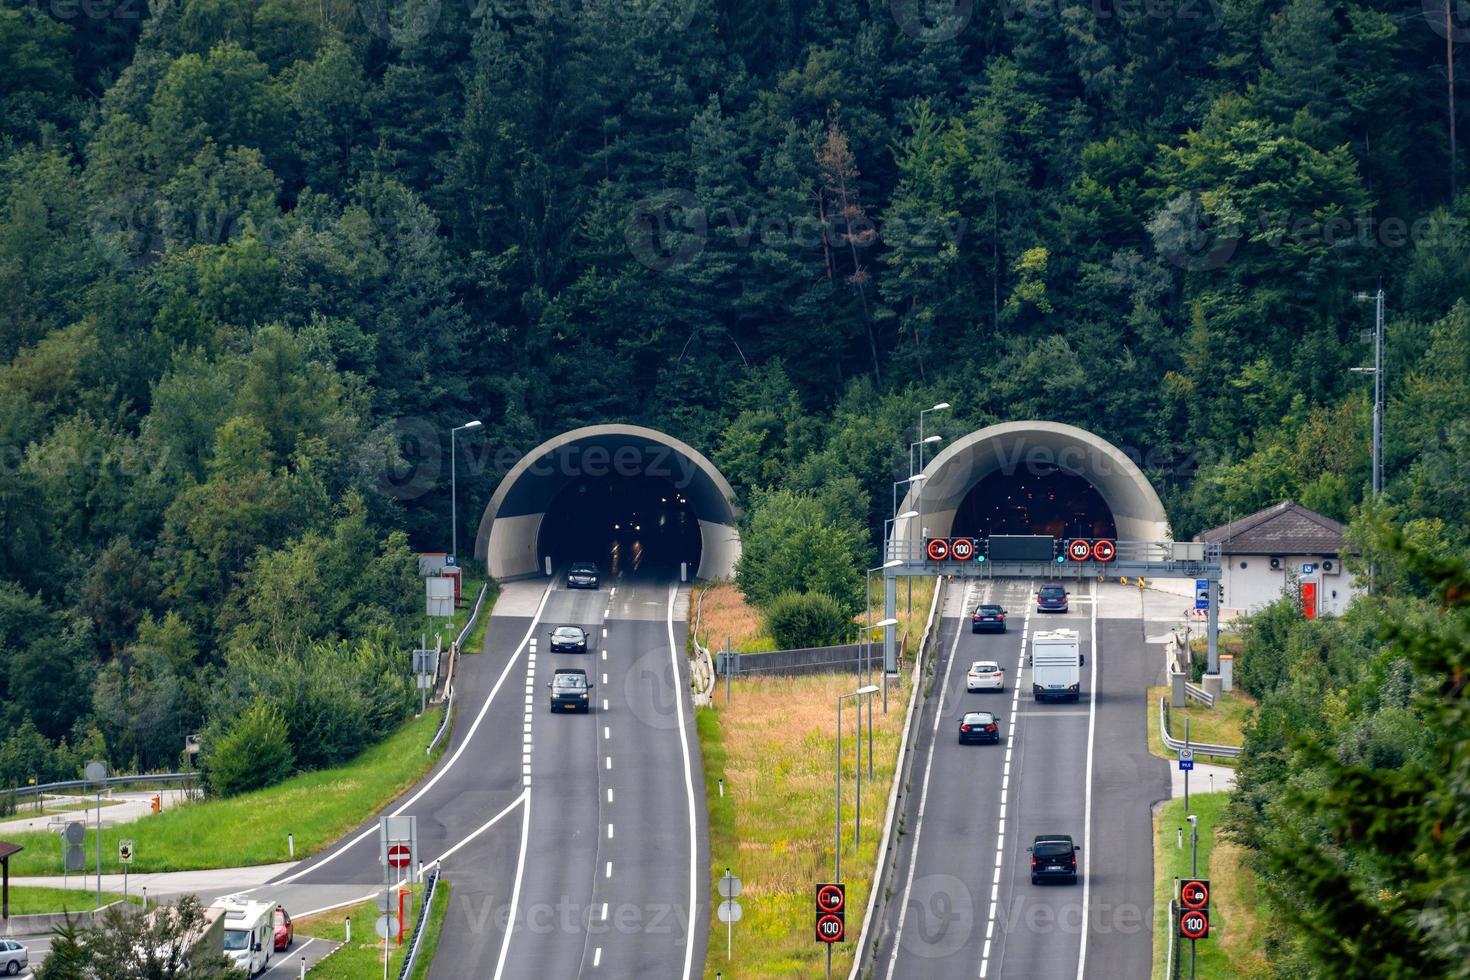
x=916, y=479
x=454, y=487
x=921, y=443
x=1377, y=371
x=837, y=783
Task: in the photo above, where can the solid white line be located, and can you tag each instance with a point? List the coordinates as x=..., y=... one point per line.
x=484, y=826
x=924, y=792
x=1087, y=805
x=464, y=744
x=679, y=696
x=515, y=891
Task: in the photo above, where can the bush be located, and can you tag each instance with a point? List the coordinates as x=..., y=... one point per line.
x=806, y=619
x=253, y=752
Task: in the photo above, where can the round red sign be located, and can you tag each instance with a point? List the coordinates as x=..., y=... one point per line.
x=1194, y=925
x=399, y=855
x=1079, y=550
x=829, y=898
x=830, y=929
x=1103, y=550
x=963, y=549
x=1194, y=894
x=938, y=549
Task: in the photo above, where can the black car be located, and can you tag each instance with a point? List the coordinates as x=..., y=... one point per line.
x=570, y=690
x=988, y=617
x=979, y=726
x=582, y=575
x=1051, y=598
x=569, y=639
x=1053, y=858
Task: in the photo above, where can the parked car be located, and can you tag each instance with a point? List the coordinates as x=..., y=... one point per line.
x=582, y=575
x=979, y=726
x=14, y=958
x=1053, y=857
x=985, y=675
x=570, y=691
x=988, y=617
x=285, y=931
x=1052, y=598
x=569, y=639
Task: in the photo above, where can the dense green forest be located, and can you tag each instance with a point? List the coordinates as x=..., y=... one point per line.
x=257, y=256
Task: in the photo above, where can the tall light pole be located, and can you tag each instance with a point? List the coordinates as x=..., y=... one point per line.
x=921, y=443
x=916, y=479
x=942, y=406
x=837, y=777
x=454, y=487
x=1377, y=371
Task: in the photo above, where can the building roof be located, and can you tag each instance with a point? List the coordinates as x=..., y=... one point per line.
x=1287, y=528
x=7, y=848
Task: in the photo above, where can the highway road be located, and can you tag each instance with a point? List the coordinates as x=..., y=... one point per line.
x=964, y=903
x=576, y=844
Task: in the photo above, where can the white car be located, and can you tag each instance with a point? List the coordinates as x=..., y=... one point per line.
x=985, y=675
x=13, y=957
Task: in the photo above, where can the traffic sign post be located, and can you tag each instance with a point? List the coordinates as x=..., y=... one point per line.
x=1194, y=924
x=1186, y=759
x=398, y=844
x=729, y=911
x=831, y=925
x=125, y=855
x=1194, y=893
x=1201, y=593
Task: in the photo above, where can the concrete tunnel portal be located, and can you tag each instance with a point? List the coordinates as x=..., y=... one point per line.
x=1033, y=477
x=627, y=497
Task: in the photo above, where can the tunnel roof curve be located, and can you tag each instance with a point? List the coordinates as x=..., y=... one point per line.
x=1012, y=447
x=510, y=525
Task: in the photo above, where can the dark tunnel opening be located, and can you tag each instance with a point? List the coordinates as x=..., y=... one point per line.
x=1051, y=500
x=629, y=524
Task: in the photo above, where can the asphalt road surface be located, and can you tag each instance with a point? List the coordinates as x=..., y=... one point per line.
x=964, y=903
x=576, y=844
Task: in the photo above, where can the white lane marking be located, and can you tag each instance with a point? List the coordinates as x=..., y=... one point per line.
x=525, y=795
x=604, y=655
x=597, y=956
x=604, y=632
x=609, y=831
x=1005, y=782
x=609, y=762
x=604, y=678
x=609, y=794
x=604, y=704
x=604, y=911
x=606, y=732
x=1087, y=805
x=924, y=792
x=464, y=744
x=515, y=890
x=693, y=905
x=608, y=872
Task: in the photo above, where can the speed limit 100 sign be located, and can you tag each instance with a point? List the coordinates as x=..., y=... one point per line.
x=1194, y=924
x=831, y=928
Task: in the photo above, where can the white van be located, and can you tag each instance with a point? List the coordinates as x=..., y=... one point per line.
x=1056, y=665
x=250, y=932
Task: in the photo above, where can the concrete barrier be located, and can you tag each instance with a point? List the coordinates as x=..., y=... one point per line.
x=43, y=923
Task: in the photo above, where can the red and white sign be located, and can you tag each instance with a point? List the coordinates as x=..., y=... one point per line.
x=1194, y=924
x=399, y=855
x=1194, y=893
x=963, y=549
x=1103, y=550
x=1079, y=550
x=938, y=549
x=831, y=929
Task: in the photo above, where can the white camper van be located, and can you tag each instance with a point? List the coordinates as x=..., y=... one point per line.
x=1056, y=665
x=250, y=929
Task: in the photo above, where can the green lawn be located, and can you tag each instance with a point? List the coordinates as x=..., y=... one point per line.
x=430, y=941
x=317, y=807
x=1224, y=724
x=39, y=901
x=469, y=588
x=1232, y=949
x=364, y=958
x=773, y=747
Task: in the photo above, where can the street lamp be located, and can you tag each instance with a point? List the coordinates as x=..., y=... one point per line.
x=837, y=782
x=454, y=487
x=1377, y=371
x=888, y=530
x=921, y=443
x=942, y=406
x=916, y=479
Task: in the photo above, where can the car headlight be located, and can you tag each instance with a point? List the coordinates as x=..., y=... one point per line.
x=584, y=695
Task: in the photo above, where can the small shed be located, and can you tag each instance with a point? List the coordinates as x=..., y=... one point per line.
x=1286, y=547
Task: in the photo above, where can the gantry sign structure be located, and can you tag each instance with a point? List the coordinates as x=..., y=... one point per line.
x=1055, y=560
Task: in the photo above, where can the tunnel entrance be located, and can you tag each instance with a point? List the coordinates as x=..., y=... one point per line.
x=630, y=498
x=1037, y=500
x=634, y=524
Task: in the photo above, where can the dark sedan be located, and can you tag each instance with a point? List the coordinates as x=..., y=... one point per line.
x=582, y=575
x=1052, y=598
x=1053, y=858
x=568, y=639
x=570, y=691
x=988, y=617
x=979, y=726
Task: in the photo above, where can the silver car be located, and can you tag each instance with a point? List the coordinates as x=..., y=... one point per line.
x=13, y=957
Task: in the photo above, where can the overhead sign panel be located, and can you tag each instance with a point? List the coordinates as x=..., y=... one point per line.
x=1022, y=547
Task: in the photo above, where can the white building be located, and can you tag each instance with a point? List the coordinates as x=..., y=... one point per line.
x=1284, y=548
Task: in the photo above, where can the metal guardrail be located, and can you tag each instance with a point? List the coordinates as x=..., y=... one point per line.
x=426, y=904
x=110, y=781
x=1200, y=694
x=1200, y=748
x=474, y=615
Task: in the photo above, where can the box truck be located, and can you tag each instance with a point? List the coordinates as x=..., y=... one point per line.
x=250, y=932
x=1056, y=665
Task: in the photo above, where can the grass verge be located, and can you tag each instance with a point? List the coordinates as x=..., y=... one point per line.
x=1233, y=949
x=364, y=956
x=1224, y=724
x=429, y=944
x=773, y=745
x=25, y=900
x=317, y=807
x=724, y=613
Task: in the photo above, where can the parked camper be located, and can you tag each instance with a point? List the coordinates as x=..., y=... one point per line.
x=249, y=932
x=1056, y=665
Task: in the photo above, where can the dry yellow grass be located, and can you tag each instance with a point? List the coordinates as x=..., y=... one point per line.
x=773, y=745
x=725, y=613
x=1233, y=880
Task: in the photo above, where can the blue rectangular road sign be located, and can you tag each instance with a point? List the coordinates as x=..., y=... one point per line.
x=1201, y=593
x=1185, y=765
